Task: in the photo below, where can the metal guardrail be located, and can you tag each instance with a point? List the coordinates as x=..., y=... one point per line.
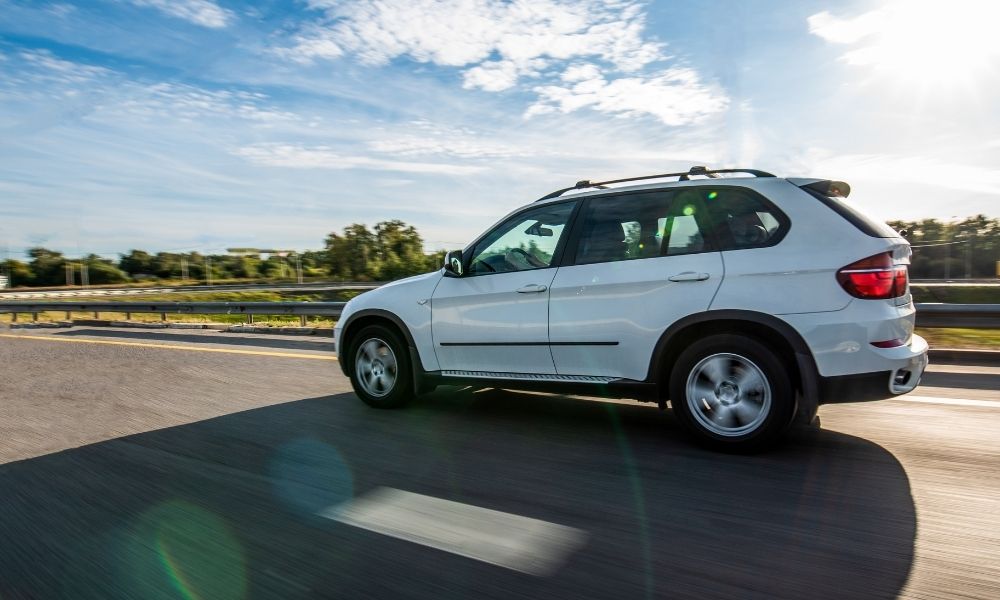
x=980, y=316
x=44, y=293
x=300, y=309
x=972, y=316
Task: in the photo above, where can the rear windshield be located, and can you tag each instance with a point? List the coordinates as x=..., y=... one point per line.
x=855, y=216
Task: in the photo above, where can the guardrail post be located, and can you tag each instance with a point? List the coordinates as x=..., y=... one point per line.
x=250, y=318
x=34, y=317
x=69, y=315
x=302, y=320
x=97, y=314
x=13, y=317
x=128, y=316
x=163, y=316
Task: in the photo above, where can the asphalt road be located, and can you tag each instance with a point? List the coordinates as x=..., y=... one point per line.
x=215, y=466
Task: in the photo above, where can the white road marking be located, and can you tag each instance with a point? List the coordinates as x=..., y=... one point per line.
x=520, y=543
x=953, y=401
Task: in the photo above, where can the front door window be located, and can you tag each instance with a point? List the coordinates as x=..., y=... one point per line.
x=526, y=241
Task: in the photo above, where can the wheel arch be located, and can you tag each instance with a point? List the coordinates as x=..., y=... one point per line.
x=373, y=316
x=768, y=329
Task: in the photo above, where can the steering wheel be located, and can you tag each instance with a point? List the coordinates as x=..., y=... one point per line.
x=526, y=255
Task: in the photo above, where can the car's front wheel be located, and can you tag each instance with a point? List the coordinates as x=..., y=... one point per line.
x=732, y=392
x=380, y=368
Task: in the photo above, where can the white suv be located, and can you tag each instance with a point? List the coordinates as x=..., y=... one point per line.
x=744, y=299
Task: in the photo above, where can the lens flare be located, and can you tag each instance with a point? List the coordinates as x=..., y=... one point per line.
x=310, y=475
x=178, y=549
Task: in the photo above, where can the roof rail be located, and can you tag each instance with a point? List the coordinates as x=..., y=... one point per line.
x=683, y=176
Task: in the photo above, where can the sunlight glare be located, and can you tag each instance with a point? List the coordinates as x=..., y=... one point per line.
x=926, y=41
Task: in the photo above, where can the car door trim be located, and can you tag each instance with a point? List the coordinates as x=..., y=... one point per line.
x=528, y=343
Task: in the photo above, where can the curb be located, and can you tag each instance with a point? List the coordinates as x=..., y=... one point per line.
x=40, y=325
x=959, y=356
x=138, y=325
x=281, y=330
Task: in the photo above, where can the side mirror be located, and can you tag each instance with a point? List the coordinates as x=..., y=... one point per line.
x=453, y=264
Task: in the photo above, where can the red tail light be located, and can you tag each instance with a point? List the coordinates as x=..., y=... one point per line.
x=874, y=278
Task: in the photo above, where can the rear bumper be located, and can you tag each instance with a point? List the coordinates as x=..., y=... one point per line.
x=841, y=341
x=880, y=385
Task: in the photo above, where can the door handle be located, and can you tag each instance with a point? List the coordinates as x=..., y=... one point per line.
x=531, y=288
x=689, y=276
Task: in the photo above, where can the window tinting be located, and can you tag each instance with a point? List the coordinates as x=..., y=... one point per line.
x=526, y=241
x=741, y=218
x=645, y=225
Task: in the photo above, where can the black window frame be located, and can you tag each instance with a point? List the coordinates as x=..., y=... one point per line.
x=557, y=254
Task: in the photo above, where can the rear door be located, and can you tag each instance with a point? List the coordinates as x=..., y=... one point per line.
x=640, y=262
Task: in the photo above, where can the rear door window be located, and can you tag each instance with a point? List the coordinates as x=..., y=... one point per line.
x=642, y=225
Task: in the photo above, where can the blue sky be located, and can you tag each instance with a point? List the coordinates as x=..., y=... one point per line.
x=202, y=124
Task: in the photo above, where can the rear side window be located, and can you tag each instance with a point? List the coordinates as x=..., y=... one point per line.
x=642, y=225
x=742, y=218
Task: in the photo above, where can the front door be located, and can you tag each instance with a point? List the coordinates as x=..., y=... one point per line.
x=494, y=319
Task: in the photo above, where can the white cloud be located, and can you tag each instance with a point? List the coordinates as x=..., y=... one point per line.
x=492, y=76
x=297, y=156
x=926, y=41
x=675, y=96
x=495, y=35
x=47, y=66
x=189, y=103
x=200, y=12
x=60, y=10
x=99, y=95
x=424, y=138
x=846, y=30
x=497, y=44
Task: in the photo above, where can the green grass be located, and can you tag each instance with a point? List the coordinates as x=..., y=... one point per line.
x=956, y=294
x=979, y=339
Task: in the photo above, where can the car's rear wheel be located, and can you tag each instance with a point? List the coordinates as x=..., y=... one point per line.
x=732, y=392
x=380, y=368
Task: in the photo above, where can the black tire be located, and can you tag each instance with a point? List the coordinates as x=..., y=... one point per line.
x=380, y=368
x=732, y=392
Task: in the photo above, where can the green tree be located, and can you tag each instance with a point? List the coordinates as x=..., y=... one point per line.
x=48, y=266
x=952, y=249
x=101, y=271
x=354, y=254
x=136, y=262
x=400, y=250
x=17, y=272
x=434, y=261
x=166, y=265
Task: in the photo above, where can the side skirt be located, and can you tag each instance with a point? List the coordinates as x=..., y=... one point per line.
x=604, y=387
